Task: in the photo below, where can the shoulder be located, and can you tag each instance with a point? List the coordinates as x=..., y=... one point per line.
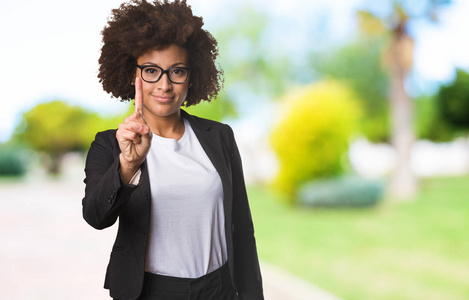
x=213, y=130
x=106, y=139
x=107, y=135
x=207, y=124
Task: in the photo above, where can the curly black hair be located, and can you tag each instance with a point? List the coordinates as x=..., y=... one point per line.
x=137, y=26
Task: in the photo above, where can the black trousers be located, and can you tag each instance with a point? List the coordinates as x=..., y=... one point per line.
x=213, y=286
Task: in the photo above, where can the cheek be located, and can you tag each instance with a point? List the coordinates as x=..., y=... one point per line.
x=146, y=86
x=184, y=91
x=146, y=90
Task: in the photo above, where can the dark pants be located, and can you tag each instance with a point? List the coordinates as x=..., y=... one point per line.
x=213, y=286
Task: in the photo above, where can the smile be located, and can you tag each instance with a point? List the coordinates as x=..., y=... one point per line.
x=162, y=99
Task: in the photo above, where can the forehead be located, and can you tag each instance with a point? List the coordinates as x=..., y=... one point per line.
x=165, y=57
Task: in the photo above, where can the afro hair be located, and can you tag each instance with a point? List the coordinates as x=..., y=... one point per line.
x=137, y=26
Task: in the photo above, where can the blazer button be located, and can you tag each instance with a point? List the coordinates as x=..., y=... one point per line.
x=112, y=196
x=232, y=228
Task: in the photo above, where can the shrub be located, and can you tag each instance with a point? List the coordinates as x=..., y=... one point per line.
x=313, y=136
x=12, y=161
x=56, y=128
x=347, y=191
x=453, y=101
x=429, y=123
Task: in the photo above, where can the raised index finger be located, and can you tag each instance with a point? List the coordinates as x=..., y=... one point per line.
x=138, y=96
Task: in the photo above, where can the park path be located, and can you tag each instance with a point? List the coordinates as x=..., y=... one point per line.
x=47, y=251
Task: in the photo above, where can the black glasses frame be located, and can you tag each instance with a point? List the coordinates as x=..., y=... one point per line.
x=141, y=67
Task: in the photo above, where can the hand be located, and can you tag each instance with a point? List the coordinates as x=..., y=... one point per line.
x=134, y=137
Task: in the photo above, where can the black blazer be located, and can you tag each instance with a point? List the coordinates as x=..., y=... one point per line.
x=108, y=197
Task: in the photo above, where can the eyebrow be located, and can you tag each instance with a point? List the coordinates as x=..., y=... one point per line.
x=171, y=66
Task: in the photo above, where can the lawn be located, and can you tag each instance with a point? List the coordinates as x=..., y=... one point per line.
x=414, y=250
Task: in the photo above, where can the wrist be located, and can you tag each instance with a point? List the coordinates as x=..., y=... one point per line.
x=128, y=168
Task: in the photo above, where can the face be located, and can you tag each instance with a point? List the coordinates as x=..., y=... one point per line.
x=164, y=98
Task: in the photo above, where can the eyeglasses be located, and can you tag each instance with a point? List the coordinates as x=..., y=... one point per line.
x=152, y=73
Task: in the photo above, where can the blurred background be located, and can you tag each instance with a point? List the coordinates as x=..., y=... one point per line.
x=352, y=118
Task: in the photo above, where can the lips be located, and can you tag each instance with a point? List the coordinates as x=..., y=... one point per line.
x=162, y=99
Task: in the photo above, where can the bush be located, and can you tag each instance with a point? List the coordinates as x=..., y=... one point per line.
x=429, y=123
x=453, y=101
x=360, y=64
x=313, y=137
x=12, y=161
x=348, y=191
x=56, y=128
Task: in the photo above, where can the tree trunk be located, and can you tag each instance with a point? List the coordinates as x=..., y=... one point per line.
x=403, y=183
x=54, y=165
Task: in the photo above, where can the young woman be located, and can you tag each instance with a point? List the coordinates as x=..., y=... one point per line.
x=173, y=180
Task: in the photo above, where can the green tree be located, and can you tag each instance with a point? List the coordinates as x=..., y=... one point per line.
x=453, y=101
x=218, y=109
x=311, y=139
x=429, y=123
x=56, y=128
x=360, y=65
x=251, y=68
x=399, y=60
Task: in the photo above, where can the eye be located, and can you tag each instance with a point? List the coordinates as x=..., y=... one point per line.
x=179, y=72
x=151, y=70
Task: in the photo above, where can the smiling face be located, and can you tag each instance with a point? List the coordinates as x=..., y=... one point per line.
x=163, y=98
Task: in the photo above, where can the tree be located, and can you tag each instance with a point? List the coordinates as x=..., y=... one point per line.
x=453, y=101
x=399, y=61
x=313, y=136
x=429, y=123
x=360, y=65
x=56, y=128
x=251, y=68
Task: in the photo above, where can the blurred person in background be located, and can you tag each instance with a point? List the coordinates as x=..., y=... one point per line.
x=174, y=181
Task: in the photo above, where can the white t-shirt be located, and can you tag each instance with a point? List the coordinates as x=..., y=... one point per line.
x=187, y=231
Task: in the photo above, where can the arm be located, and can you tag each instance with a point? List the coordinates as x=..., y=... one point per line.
x=105, y=193
x=111, y=162
x=246, y=262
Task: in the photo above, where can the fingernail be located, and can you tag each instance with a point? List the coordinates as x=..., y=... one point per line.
x=138, y=127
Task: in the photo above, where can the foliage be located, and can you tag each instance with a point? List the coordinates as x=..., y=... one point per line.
x=359, y=64
x=416, y=250
x=453, y=101
x=399, y=58
x=312, y=137
x=53, y=127
x=341, y=192
x=57, y=128
x=429, y=124
x=12, y=161
x=252, y=68
x=216, y=110
x=247, y=57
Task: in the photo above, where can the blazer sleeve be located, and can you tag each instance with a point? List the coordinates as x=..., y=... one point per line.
x=246, y=262
x=105, y=192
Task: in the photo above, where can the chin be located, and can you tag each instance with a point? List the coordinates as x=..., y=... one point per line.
x=164, y=110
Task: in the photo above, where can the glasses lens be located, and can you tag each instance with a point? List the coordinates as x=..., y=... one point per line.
x=151, y=73
x=178, y=75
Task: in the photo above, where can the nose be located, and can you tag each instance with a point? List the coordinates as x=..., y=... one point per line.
x=164, y=84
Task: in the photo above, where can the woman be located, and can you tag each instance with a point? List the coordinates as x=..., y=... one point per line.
x=173, y=180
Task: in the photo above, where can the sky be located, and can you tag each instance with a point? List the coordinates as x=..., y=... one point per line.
x=49, y=49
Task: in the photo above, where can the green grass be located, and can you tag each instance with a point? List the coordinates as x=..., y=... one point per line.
x=414, y=250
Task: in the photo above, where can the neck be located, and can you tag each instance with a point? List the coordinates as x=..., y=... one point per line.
x=171, y=126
